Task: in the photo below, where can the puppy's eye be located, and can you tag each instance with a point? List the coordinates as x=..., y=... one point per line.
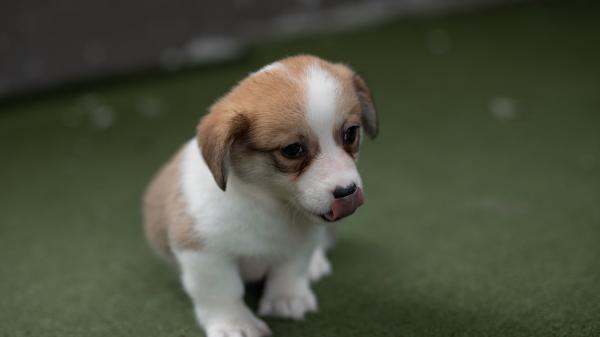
x=293, y=151
x=350, y=135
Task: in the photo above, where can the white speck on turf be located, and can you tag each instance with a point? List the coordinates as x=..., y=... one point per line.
x=503, y=108
x=100, y=115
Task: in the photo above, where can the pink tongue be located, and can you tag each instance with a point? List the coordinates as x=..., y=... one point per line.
x=345, y=206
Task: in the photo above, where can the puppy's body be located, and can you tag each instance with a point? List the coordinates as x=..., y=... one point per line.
x=248, y=196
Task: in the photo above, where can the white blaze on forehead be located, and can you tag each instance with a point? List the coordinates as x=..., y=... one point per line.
x=322, y=91
x=333, y=166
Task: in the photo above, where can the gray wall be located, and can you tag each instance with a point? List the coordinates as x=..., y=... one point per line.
x=48, y=43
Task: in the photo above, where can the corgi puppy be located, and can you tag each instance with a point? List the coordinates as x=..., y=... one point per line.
x=254, y=194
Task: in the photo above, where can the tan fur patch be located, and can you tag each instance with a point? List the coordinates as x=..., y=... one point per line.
x=271, y=105
x=166, y=220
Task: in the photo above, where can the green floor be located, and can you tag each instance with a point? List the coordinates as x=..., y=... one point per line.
x=482, y=215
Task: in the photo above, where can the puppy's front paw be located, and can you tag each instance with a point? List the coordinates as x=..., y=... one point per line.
x=319, y=266
x=292, y=305
x=237, y=325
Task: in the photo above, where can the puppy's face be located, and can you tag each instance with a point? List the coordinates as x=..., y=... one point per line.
x=293, y=130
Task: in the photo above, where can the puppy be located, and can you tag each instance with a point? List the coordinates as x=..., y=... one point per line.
x=250, y=197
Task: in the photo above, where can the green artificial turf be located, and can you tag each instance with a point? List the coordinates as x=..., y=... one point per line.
x=482, y=214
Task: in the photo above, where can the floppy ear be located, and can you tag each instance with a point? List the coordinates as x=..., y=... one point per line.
x=367, y=106
x=215, y=134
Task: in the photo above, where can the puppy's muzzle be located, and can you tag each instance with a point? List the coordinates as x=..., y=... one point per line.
x=346, y=201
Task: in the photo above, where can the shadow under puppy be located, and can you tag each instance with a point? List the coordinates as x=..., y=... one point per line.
x=251, y=196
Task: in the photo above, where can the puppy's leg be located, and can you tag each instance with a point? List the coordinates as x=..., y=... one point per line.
x=214, y=284
x=287, y=289
x=319, y=264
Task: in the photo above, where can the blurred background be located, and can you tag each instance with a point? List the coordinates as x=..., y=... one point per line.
x=482, y=214
x=65, y=41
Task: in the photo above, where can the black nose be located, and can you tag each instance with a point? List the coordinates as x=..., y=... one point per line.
x=341, y=192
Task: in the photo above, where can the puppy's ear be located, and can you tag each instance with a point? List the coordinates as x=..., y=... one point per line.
x=367, y=106
x=215, y=134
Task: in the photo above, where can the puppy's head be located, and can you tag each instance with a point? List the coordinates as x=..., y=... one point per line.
x=293, y=130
